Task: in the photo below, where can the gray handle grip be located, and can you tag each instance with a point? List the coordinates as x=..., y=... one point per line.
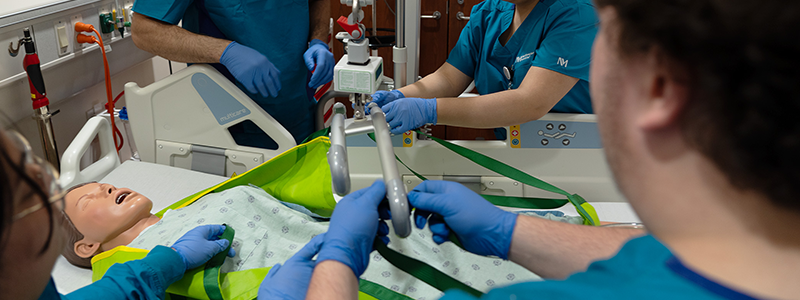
x=337, y=154
x=395, y=190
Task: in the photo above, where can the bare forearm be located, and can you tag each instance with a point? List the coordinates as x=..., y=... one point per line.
x=447, y=81
x=332, y=280
x=431, y=86
x=319, y=15
x=175, y=43
x=556, y=250
x=511, y=107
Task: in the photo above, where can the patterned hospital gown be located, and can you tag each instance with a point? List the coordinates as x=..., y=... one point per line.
x=269, y=232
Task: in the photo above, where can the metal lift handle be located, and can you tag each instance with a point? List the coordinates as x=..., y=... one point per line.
x=337, y=154
x=395, y=190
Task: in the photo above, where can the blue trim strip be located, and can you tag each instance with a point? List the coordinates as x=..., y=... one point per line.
x=674, y=264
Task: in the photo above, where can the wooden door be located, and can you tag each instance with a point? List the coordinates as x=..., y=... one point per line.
x=457, y=20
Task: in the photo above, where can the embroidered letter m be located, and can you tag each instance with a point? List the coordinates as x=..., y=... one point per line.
x=562, y=62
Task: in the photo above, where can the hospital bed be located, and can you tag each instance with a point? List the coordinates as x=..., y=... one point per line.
x=170, y=144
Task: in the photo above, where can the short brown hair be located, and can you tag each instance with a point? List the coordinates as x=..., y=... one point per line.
x=740, y=60
x=73, y=236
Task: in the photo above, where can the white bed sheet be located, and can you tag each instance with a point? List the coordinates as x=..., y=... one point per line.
x=162, y=184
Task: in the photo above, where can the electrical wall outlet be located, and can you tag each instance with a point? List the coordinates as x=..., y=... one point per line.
x=74, y=20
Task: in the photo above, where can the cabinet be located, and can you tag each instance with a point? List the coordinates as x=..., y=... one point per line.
x=437, y=37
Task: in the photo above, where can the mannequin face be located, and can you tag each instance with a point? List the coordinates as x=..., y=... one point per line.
x=101, y=212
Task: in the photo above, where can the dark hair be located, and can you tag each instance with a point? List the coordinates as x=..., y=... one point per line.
x=8, y=190
x=73, y=236
x=740, y=60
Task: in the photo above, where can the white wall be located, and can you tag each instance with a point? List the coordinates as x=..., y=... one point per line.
x=74, y=80
x=73, y=110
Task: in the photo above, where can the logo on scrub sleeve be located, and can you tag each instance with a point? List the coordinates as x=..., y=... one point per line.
x=562, y=62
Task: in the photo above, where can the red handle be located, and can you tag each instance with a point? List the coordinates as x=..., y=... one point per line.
x=352, y=29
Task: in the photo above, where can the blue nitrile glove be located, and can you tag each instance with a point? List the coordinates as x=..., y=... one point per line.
x=200, y=244
x=320, y=56
x=252, y=69
x=481, y=227
x=353, y=228
x=409, y=113
x=290, y=281
x=382, y=98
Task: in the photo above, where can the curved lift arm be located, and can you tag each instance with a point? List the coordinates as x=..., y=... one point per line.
x=337, y=154
x=340, y=174
x=395, y=190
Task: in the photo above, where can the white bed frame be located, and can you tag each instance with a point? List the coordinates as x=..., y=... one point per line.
x=170, y=117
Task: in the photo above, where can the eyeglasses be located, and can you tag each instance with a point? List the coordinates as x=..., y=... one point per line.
x=46, y=173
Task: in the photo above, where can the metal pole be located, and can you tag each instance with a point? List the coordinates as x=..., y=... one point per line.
x=399, y=55
x=42, y=116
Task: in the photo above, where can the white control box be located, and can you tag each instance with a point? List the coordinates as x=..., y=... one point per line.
x=357, y=78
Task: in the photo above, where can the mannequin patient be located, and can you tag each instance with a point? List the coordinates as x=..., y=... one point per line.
x=267, y=232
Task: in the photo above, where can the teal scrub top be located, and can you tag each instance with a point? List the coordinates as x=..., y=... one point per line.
x=146, y=278
x=643, y=269
x=557, y=35
x=277, y=29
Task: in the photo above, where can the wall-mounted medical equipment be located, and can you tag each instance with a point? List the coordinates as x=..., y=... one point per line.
x=41, y=105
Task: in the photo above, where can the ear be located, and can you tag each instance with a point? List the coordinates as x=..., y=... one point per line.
x=666, y=97
x=85, y=248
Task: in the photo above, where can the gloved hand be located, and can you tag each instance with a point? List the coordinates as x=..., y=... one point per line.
x=252, y=69
x=320, y=56
x=353, y=227
x=409, y=113
x=200, y=244
x=481, y=227
x=382, y=98
x=290, y=281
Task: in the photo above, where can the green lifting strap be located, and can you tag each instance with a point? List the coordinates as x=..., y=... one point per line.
x=380, y=292
x=211, y=274
x=584, y=209
x=423, y=271
x=507, y=201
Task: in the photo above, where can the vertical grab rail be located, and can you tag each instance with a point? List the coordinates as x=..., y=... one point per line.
x=395, y=190
x=337, y=154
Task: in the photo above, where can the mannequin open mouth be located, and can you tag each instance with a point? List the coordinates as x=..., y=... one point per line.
x=122, y=197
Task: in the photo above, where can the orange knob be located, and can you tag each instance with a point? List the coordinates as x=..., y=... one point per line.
x=82, y=38
x=83, y=27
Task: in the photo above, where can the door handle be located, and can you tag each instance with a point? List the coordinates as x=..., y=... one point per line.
x=436, y=15
x=460, y=16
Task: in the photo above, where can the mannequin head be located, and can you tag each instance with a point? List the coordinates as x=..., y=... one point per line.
x=102, y=217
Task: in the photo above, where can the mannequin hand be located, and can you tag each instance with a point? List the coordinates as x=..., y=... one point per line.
x=382, y=98
x=320, y=60
x=354, y=224
x=290, y=281
x=481, y=227
x=200, y=244
x=409, y=113
x=252, y=69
